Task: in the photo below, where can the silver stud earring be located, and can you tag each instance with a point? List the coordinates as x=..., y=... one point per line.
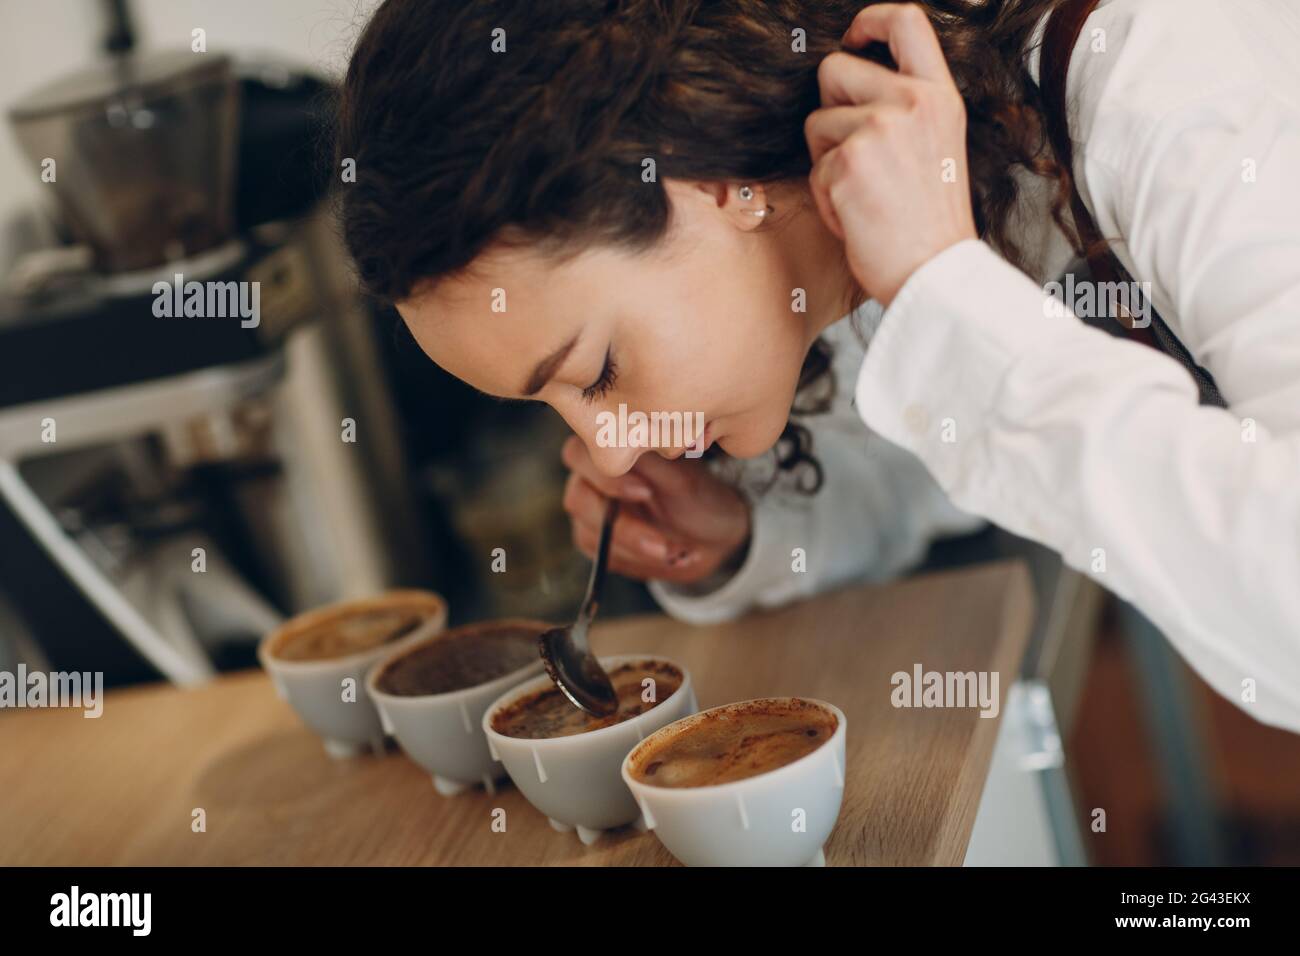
x=747, y=194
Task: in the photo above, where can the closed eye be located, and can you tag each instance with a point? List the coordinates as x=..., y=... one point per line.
x=601, y=387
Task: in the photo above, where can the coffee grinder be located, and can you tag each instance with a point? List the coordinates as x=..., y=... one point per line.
x=172, y=485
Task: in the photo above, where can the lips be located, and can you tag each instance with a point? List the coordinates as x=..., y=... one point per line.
x=704, y=441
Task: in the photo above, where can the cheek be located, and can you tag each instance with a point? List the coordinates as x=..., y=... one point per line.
x=762, y=371
x=741, y=325
x=765, y=352
x=726, y=344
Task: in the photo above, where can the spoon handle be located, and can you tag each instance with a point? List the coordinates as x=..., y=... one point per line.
x=591, y=603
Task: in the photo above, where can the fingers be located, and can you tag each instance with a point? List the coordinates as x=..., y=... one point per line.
x=825, y=207
x=862, y=102
x=827, y=131
x=844, y=80
x=671, y=477
x=627, y=487
x=644, y=530
x=622, y=559
x=627, y=555
x=827, y=128
x=643, y=544
x=624, y=556
x=633, y=539
x=910, y=35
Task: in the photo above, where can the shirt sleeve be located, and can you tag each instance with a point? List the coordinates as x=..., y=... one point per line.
x=874, y=517
x=1096, y=447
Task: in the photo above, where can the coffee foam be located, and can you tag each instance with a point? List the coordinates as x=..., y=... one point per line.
x=733, y=743
x=548, y=713
x=340, y=631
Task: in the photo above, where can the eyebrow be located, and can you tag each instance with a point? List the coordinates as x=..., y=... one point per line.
x=548, y=367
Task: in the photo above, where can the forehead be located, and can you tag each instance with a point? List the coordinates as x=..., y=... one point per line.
x=490, y=324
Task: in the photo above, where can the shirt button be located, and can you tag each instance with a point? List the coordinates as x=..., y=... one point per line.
x=917, y=419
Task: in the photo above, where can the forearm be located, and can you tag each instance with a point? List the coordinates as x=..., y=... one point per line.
x=1096, y=447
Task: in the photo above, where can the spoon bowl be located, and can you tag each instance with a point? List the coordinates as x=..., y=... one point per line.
x=565, y=650
x=577, y=673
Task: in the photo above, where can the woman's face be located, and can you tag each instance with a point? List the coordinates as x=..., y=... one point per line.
x=705, y=324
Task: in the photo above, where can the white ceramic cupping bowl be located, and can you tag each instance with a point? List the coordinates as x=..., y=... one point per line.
x=748, y=822
x=443, y=733
x=576, y=780
x=315, y=688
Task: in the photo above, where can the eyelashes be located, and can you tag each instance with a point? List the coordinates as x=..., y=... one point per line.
x=601, y=387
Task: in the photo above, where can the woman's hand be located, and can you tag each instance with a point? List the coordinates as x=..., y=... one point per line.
x=889, y=150
x=678, y=521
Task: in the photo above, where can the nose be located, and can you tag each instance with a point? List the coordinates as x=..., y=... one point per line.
x=612, y=462
x=612, y=456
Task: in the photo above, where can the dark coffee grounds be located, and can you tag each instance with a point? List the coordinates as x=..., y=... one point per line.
x=462, y=658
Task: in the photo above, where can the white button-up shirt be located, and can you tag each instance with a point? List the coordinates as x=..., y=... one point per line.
x=1186, y=120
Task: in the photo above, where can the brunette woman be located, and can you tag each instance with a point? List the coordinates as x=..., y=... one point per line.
x=672, y=204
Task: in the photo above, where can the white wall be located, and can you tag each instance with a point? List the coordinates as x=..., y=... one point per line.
x=42, y=39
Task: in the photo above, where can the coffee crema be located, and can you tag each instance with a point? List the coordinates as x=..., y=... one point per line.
x=548, y=713
x=735, y=743
x=462, y=658
x=351, y=633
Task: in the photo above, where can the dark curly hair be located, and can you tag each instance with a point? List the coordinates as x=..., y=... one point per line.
x=458, y=147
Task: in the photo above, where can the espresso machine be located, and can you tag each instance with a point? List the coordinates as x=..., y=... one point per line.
x=174, y=481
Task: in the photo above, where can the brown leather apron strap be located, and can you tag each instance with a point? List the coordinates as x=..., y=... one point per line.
x=1064, y=26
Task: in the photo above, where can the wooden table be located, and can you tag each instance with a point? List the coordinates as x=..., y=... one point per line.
x=122, y=789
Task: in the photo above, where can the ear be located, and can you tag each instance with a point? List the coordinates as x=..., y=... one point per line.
x=746, y=212
x=744, y=204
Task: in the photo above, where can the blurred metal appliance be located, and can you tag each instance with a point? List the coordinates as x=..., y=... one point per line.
x=132, y=442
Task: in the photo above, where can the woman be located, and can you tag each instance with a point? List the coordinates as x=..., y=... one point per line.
x=664, y=204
